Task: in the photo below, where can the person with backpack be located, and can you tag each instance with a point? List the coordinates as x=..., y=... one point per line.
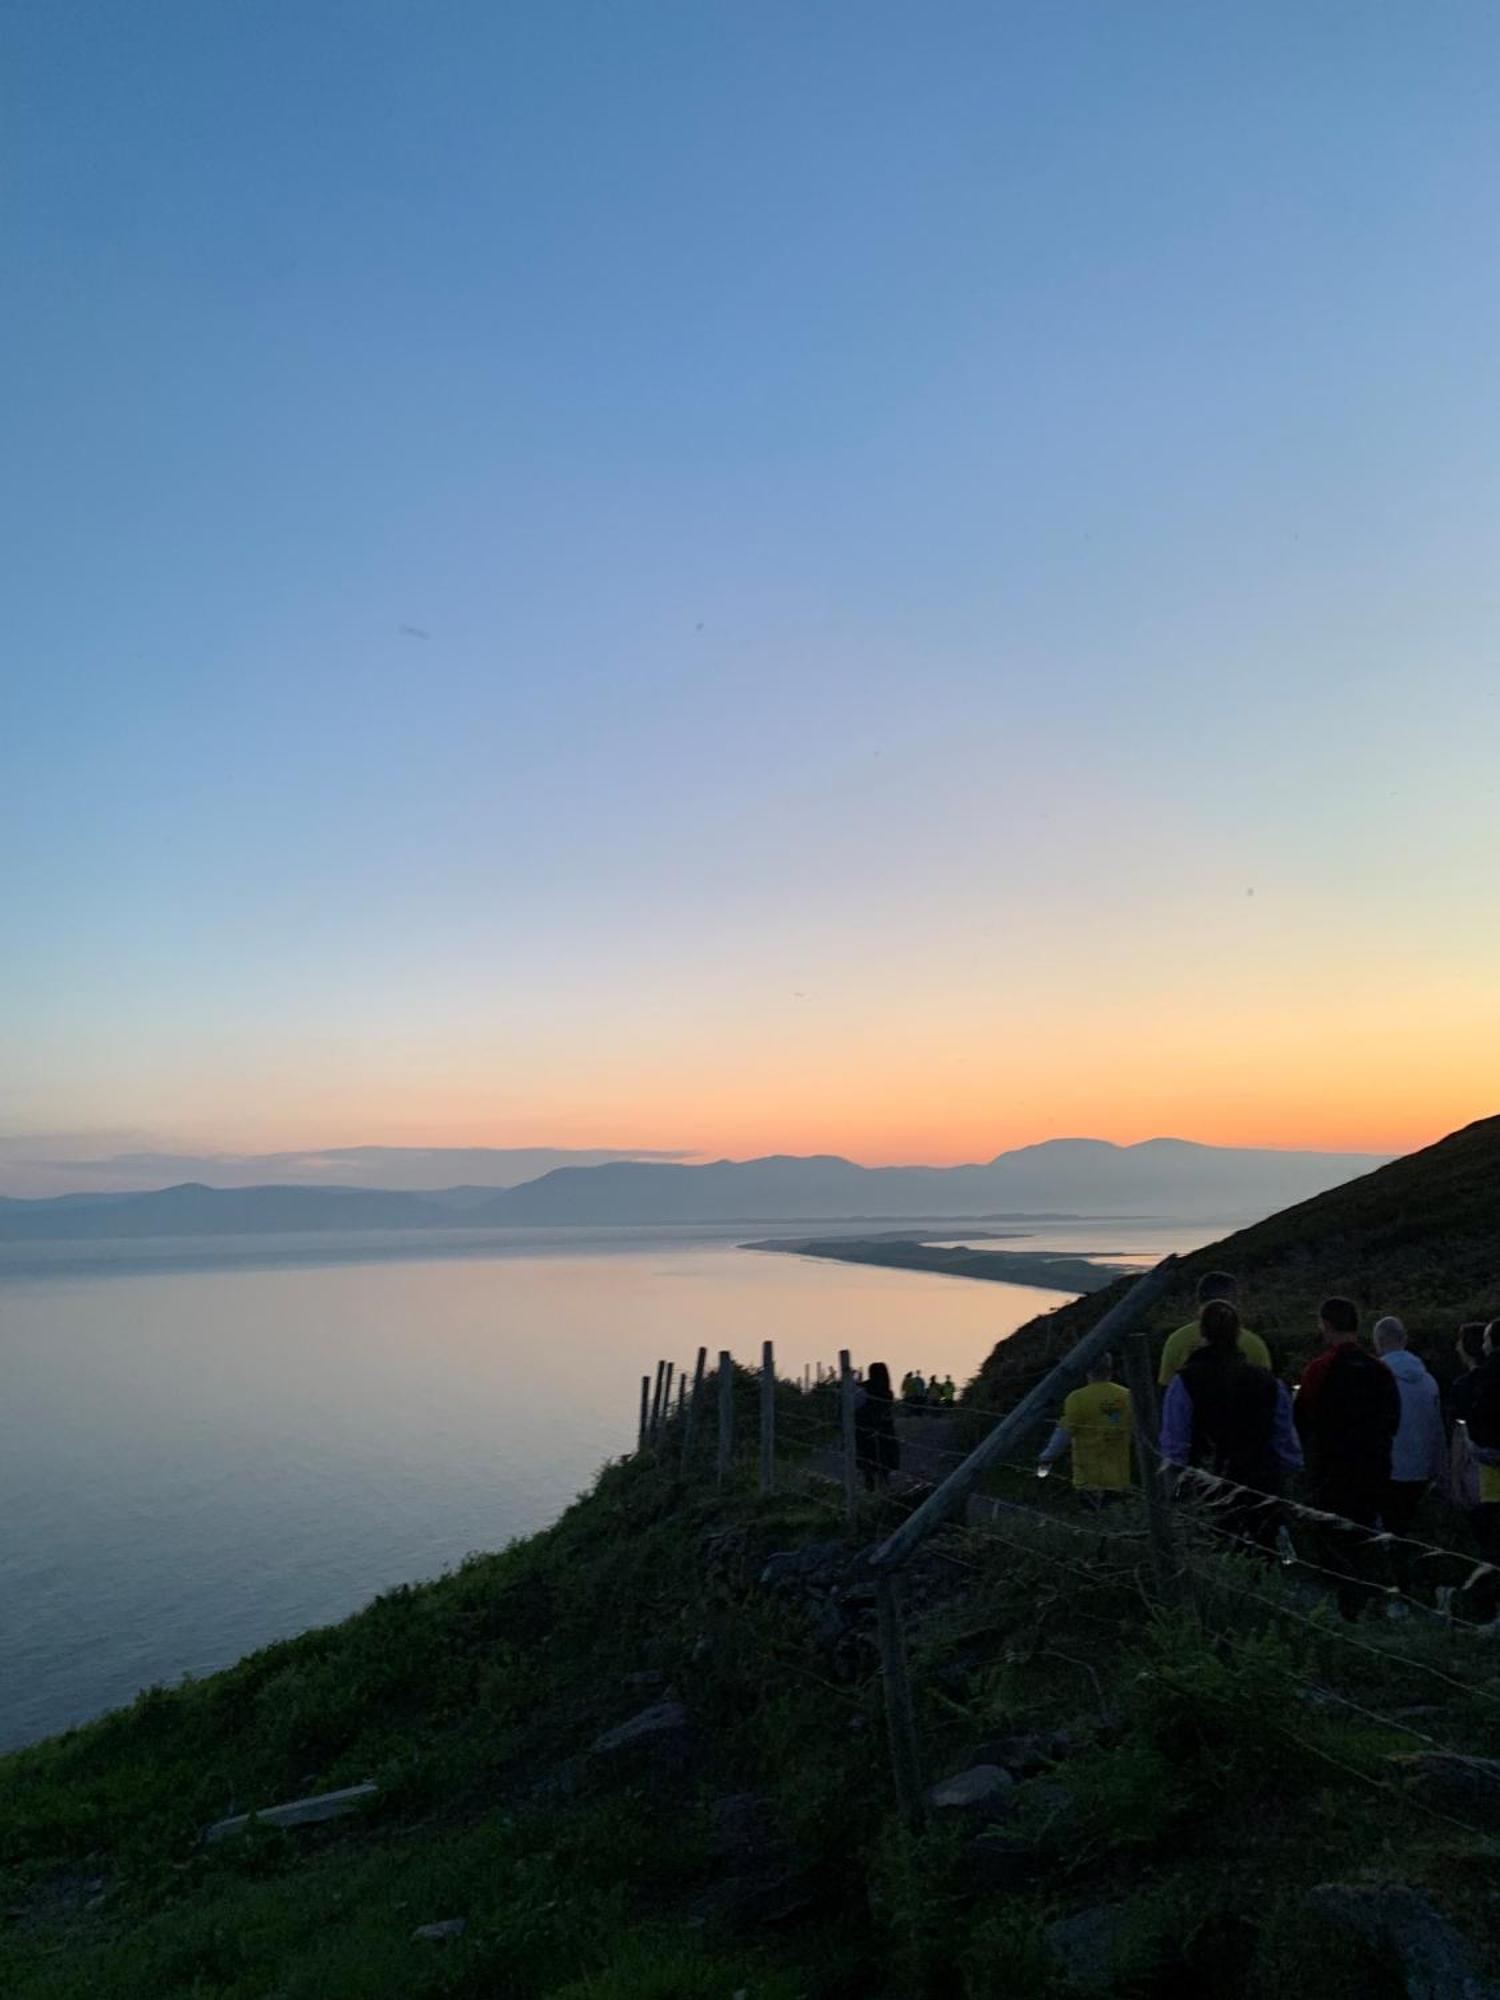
x=1348, y=1410
x=1231, y=1417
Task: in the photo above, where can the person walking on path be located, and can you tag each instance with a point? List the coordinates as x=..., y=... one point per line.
x=1419, y=1450
x=1348, y=1411
x=877, y=1449
x=1095, y=1423
x=1213, y=1288
x=1232, y=1418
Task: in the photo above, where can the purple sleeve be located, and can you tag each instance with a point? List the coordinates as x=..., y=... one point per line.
x=1285, y=1443
x=1175, y=1443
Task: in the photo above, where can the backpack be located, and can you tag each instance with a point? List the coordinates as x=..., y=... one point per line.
x=1234, y=1412
x=1359, y=1406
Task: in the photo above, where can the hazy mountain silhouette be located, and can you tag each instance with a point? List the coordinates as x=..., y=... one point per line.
x=1166, y=1177
x=1170, y=1177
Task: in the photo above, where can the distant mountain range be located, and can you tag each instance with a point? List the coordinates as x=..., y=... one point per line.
x=1164, y=1177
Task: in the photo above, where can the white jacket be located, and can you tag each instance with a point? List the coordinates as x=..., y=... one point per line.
x=1420, y=1450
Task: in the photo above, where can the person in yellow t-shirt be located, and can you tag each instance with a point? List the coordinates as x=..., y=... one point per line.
x=1095, y=1422
x=1186, y=1341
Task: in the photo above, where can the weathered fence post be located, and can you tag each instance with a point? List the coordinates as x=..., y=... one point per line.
x=692, y=1408
x=900, y=1719
x=640, y=1442
x=726, y=1414
x=661, y=1369
x=1148, y=1461
x=666, y=1396
x=682, y=1389
x=846, y=1425
x=767, y=1418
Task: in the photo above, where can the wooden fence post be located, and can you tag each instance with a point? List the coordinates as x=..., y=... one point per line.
x=693, y=1402
x=846, y=1423
x=726, y=1415
x=656, y=1400
x=682, y=1390
x=640, y=1442
x=767, y=1418
x=1164, y=1569
x=666, y=1395
x=901, y=1724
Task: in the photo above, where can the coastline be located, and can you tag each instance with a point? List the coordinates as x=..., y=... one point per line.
x=1045, y=1270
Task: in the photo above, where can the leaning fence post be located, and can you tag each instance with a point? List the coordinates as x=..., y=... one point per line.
x=726, y=1414
x=767, y=1418
x=899, y=1716
x=846, y=1422
x=1012, y=1429
x=1148, y=1458
x=640, y=1442
x=692, y=1409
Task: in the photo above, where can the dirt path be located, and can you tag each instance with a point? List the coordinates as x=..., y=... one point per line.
x=929, y=1452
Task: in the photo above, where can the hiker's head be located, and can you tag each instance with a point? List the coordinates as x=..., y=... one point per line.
x=878, y=1379
x=1389, y=1334
x=1219, y=1324
x=1101, y=1368
x=1338, y=1319
x=1217, y=1285
x=1492, y=1337
x=1471, y=1342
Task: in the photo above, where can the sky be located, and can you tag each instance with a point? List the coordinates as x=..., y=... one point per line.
x=836, y=576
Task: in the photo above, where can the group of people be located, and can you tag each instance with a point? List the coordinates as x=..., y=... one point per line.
x=917, y=1392
x=1367, y=1428
x=1366, y=1425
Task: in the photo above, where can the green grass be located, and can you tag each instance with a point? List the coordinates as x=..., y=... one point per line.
x=1206, y=1789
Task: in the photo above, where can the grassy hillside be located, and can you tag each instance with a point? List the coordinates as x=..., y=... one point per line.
x=1179, y=1787
x=1420, y=1237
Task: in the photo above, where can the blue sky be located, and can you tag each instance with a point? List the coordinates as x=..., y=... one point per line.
x=911, y=507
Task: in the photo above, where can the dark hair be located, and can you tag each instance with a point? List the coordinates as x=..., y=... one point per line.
x=1339, y=1315
x=878, y=1380
x=1102, y=1364
x=1471, y=1341
x=1219, y=1324
x=1217, y=1285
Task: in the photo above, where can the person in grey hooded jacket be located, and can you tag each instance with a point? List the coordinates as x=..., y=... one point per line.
x=1419, y=1450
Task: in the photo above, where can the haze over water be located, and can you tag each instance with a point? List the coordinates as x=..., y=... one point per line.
x=194, y=1462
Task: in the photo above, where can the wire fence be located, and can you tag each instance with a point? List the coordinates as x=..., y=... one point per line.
x=1183, y=1545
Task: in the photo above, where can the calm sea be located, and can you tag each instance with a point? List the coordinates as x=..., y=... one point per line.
x=200, y=1456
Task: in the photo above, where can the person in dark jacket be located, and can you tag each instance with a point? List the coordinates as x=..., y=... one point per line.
x=1470, y=1350
x=1348, y=1411
x=877, y=1449
x=1233, y=1418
